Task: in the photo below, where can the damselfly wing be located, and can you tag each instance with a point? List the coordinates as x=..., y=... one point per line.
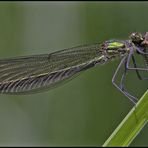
x=37, y=72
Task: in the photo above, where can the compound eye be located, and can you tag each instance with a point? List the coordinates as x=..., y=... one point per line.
x=136, y=37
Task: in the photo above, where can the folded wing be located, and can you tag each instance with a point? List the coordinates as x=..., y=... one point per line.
x=33, y=73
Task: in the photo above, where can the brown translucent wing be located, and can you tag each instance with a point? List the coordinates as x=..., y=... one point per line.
x=31, y=73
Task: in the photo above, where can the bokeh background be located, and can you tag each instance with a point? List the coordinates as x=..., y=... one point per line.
x=87, y=109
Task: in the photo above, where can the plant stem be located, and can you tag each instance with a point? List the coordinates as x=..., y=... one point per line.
x=132, y=124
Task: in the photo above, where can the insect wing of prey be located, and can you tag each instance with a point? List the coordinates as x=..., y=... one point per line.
x=33, y=73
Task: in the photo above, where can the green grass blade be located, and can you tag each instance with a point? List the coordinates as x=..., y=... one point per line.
x=132, y=124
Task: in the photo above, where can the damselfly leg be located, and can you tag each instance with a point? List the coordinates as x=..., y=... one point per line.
x=126, y=62
x=138, y=71
x=135, y=67
x=121, y=86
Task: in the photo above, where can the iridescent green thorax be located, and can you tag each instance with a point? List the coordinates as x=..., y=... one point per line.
x=115, y=45
x=114, y=48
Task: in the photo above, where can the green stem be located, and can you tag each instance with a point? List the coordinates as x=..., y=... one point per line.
x=132, y=124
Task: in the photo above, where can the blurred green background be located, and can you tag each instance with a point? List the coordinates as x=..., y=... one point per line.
x=87, y=109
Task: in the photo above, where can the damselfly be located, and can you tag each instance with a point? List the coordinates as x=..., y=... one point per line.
x=36, y=72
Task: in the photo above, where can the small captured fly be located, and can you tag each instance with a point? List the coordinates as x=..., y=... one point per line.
x=33, y=73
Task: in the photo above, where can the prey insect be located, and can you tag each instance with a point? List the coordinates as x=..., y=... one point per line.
x=33, y=73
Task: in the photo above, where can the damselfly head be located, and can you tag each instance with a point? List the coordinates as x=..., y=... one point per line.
x=145, y=41
x=136, y=37
x=141, y=41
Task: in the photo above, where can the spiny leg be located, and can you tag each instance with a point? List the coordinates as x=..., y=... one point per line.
x=132, y=98
x=137, y=71
x=123, y=78
x=134, y=62
x=131, y=56
x=122, y=82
